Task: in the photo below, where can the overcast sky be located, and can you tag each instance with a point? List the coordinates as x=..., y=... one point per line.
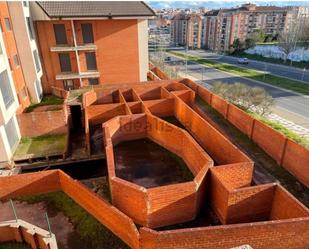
x=219, y=3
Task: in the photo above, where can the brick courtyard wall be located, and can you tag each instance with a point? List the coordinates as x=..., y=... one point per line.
x=29, y=184
x=224, y=152
x=240, y=119
x=292, y=234
x=7, y=233
x=286, y=206
x=296, y=160
x=130, y=199
x=219, y=104
x=172, y=204
x=269, y=140
x=292, y=156
x=161, y=107
x=35, y=124
x=108, y=215
x=250, y=204
x=59, y=92
x=159, y=73
x=163, y=205
x=89, y=98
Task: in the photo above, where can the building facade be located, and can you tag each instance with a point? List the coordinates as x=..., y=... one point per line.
x=25, y=37
x=12, y=87
x=221, y=27
x=109, y=44
x=186, y=30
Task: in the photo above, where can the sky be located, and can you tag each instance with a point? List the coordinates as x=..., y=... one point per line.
x=221, y=3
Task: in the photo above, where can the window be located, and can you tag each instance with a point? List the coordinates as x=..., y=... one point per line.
x=25, y=3
x=87, y=33
x=16, y=60
x=11, y=133
x=93, y=81
x=65, y=62
x=30, y=30
x=6, y=90
x=7, y=24
x=39, y=89
x=60, y=34
x=36, y=61
x=91, y=61
x=68, y=85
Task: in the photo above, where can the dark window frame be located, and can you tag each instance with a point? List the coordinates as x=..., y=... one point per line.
x=65, y=63
x=92, y=83
x=91, y=61
x=60, y=34
x=6, y=89
x=30, y=29
x=8, y=24
x=87, y=33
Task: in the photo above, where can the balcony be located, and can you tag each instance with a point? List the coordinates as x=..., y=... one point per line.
x=75, y=75
x=82, y=47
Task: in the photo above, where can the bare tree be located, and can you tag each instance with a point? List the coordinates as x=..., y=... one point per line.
x=253, y=99
x=287, y=39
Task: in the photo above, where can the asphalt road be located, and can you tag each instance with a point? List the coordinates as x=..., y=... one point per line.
x=289, y=105
x=276, y=69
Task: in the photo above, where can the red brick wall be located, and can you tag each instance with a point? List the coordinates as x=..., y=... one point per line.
x=292, y=234
x=285, y=206
x=109, y=216
x=224, y=152
x=240, y=119
x=219, y=104
x=130, y=199
x=29, y=184
x=271, y=141
x=40, y=123
x=172, y=204
x=296, y=161
x=292, y=156
x=161, y=107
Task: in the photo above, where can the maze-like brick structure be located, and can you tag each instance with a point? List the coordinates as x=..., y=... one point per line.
x=258, y=215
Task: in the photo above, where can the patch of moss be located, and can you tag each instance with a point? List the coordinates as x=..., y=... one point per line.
x=41, y=146
x=90, y=230
x=47, y=100
x=14, y=245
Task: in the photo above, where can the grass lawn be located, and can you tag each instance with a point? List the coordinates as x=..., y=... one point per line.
x=301, y=64
x=47, y=100
x=41, y=146
x=90, y=230
x=292, y=85
x=14, y=245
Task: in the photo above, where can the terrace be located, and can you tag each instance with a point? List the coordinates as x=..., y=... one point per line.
x=218, y=205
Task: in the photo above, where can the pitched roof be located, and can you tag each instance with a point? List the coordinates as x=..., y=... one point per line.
x=58, y=9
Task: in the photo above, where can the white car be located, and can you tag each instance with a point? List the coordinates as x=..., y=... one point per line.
x=243, y=61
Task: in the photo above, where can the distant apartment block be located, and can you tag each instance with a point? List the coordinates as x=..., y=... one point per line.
x=217, y=29
x=186, y=30
x=90, y=43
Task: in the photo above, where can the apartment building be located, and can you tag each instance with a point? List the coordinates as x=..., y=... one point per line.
x=223, y=26
x=89, y=43
x=186, y=30
x=25, y=37
x=12, y=87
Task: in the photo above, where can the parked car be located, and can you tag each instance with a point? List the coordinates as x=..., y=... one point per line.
x=243, y=61
x=168, y=58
